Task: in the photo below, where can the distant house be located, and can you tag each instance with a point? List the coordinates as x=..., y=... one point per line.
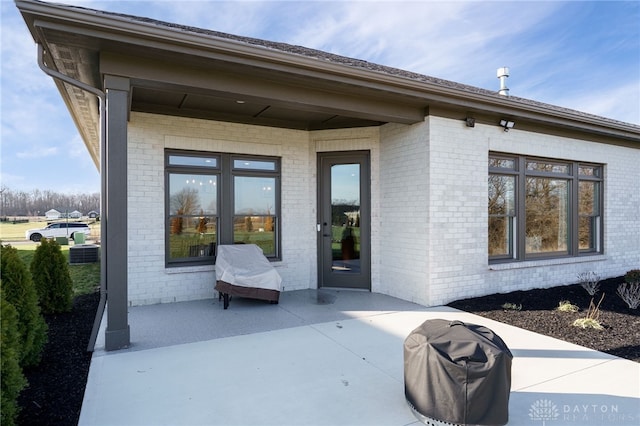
x=452, y=191
x=93, y=214
x=75, y=214
x=52, y=214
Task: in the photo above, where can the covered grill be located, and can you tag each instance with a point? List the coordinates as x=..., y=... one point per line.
x=457, y=373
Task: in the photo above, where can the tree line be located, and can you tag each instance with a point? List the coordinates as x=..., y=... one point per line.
x=37, y=202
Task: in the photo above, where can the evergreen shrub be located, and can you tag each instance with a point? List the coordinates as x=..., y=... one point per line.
x=632, y=276
x=13, y=380
x=21, y=293
x=52, y=278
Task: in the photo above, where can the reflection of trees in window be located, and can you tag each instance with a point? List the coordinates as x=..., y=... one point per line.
x=202, y=223
x=501, y=212
x=588, y=214
x=176, y=223
x=248, y=224
x=557, y=214
x=345, y=212
x=546, y=215
x=268, y=221
x=186, y=200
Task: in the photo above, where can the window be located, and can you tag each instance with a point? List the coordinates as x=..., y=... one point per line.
x=216, y=199
x=542, y=208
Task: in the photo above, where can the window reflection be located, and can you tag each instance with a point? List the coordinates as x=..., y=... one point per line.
x=192, y=220
x=255, y=215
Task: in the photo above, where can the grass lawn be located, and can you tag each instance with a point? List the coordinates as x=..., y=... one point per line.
x=15, y=232
x=85, y=277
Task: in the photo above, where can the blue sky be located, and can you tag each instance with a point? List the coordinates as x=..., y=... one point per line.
x=579, y=55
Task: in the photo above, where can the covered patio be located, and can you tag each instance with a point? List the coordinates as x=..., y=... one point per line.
x=326, y=357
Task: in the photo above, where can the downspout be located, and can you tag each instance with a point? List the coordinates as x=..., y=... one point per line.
x=101, y=97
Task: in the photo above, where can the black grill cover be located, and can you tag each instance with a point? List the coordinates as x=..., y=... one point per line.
x=458, y=373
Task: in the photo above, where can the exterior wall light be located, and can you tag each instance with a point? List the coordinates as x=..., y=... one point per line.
x=507, y=124
x=470, y=121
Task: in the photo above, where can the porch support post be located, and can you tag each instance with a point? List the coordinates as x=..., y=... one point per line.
x=117, y=91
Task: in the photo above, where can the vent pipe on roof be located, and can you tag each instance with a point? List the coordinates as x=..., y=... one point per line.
x=503, y=74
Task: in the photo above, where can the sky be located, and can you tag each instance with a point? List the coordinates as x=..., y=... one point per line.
x=579, y=55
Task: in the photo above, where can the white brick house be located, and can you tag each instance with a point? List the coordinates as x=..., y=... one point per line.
x=170, y=96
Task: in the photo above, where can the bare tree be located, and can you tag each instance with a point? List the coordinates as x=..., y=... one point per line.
x=186, y=200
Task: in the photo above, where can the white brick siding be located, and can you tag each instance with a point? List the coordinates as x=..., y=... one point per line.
x=458, y=254
x=428, y=205
x=149, y=280
x=404, y=203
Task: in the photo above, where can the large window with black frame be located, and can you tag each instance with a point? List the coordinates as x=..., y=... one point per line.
x=220, y=198
x=543, y=208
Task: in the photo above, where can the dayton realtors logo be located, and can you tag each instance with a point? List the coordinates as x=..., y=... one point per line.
x=543, y=410
x=547, y=412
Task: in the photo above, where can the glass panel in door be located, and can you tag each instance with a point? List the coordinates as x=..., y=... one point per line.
x=345, y=218
x=343, y=221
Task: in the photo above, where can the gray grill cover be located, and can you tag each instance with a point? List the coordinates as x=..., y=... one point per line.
x=458, y=373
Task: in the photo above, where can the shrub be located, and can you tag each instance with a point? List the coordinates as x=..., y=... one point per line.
x=21, y=293
x=51, y=275
x=13, y=380
x=632, y=277
x=511, y=307
x=566, y=306
x=592, y=318
x=590, y=282
x=588, y=323
x=630, y=293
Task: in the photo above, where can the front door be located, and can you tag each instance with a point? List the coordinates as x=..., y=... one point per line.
x=344, y=213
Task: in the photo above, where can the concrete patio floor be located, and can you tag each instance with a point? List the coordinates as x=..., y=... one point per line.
x=326, y=357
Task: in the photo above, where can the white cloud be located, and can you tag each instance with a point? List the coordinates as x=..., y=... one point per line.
x=456, y=40
x=38, y=152
x=617, y=102
x=8, y=180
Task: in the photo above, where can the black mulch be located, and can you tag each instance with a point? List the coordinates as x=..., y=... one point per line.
x=56, y=386
x=621, y=334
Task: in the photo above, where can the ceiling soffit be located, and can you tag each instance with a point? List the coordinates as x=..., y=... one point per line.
x=251, y=95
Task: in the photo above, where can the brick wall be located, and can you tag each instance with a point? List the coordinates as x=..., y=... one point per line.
x=428, y=202
x=458, y=218
x=404, y=203
x=149, y=280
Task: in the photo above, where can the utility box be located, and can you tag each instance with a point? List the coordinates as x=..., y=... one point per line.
x=85, y=253
x=78, y=238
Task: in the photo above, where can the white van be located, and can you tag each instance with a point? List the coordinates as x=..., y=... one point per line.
x=61, y=229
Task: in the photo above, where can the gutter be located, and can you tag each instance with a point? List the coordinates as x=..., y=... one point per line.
x=101, y=97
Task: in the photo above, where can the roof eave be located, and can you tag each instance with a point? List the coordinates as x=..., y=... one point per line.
x=177, y=39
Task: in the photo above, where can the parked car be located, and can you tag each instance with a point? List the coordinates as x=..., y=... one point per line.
x=61, y=229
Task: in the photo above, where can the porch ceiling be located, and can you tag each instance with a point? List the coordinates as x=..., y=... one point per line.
x=213, y=87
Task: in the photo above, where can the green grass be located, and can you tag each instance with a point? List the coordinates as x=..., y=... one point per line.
x=85, y=277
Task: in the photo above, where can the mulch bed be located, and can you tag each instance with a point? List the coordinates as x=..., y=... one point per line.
x=621, y=334
x=56, y=387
